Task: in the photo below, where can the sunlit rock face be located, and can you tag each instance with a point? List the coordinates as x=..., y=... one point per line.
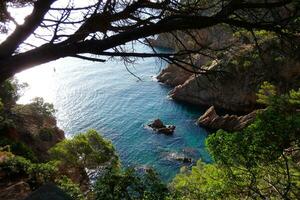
x=236, y=86
x=240, y=72
x=210, y=119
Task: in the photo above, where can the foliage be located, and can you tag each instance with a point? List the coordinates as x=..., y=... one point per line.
x=36, y=173
x=18, y=148
x=203, y=181
x=10, y=91
x=87, y=151
x=259, y=162
x=266, y=93
x=42, y=107
x=130, y=185
x=46, y=134
x=69, y=187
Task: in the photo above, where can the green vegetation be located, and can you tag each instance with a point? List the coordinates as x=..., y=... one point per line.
x=46, y=134
x=36, y=173
x=43, y=108
x=72, y=189
x=18, y=148
x=259, y=162
x=86, y=151
x=129, y=185
x=10, y=91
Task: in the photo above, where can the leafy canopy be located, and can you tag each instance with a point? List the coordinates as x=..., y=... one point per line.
x=86, y=150
x=259, y=162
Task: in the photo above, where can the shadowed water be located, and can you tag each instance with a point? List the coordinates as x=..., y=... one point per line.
x=105, y=97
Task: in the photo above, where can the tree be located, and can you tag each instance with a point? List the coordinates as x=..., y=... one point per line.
x=88, y=151
x=101, y=27
x=259, y=162
x=130, y=184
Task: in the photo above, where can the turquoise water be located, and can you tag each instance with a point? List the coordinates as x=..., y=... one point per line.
x=105, y=97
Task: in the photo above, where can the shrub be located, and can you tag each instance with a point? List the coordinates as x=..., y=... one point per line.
x=18, y=148
x=46, y=134
x=36, y=173
x=69, y=187
x=41, y=107
x=86, y=151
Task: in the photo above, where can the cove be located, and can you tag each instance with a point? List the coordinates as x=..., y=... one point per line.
x=107, y=98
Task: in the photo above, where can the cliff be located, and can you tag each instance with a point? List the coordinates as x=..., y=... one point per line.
x=240, y=71
x=234, y=87
x=38, y=131
x=27, y=133
x=210, y=119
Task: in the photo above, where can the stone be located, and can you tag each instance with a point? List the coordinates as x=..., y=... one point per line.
x=158, y=126
x=210, y=119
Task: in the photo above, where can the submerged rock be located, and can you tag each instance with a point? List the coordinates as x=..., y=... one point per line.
x=210, y=119
x=158, y=126
x=179, y=157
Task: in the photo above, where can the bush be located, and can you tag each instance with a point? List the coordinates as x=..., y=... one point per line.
x=130, y=185
x=10, y=91
x=86, y=151
x=18, y=148
x=259, y=162
x=46, y=134
x=69, y=187
x=36, y=173
x=41, y=107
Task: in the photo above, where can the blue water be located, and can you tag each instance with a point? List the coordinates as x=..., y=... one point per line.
x=105, y=97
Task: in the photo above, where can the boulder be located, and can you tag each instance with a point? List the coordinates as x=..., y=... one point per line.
x=158, y=126
x=210, y=119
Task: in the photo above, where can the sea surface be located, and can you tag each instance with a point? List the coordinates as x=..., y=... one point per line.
x=107, y=98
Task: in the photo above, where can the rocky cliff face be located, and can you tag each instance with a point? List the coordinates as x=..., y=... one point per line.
x=37, y=131
x=210, y=119
x=235, y=87
x=240, y=73
x=214, y=37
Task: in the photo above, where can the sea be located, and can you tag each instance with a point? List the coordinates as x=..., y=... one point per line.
x=119, y=99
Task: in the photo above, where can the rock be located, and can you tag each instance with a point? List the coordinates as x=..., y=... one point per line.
x=214, y=37
x=173, y=75
x=241, y=70
x=210, y=119
x=179, y=157
x=39, y=132
x=158, y=126
x=16, y=191
x=163, y=40
x=235, y=88
x=184, y=159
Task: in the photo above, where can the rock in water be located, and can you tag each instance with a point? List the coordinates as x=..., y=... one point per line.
x=210, y=119
x=158, y=126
